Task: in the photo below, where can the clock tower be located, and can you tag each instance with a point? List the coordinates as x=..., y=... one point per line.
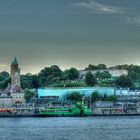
x=15, y=73
x=16, y=91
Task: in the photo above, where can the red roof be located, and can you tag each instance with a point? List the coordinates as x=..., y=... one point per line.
x=16, y=89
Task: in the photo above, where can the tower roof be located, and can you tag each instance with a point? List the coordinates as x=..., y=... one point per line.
x=15, y=62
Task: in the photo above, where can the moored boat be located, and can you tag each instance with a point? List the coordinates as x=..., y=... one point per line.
x=79, y=109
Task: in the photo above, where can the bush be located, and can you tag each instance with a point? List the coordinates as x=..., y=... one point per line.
x=74, y=96
x=90, y=80
x=29, y=94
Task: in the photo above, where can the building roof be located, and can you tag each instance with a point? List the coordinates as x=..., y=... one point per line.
x=15, y=62
x=16, y=89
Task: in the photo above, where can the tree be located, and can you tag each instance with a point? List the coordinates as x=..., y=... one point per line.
x=56, y=71
x=102, y=67
x=95, y=97
x=29, y=94
x=71, y=74
x=50, y=75
x=111, y=98
x=102, y=75
x=106, y=83
x=4, y=75
x=120, y=67
x=134, y=73
x=75, y=96
x=4, y=84
x=123, y=81
x=91, y=67
x=98, y=67
x=26, y=81
x=35, y=81
x=90, y=80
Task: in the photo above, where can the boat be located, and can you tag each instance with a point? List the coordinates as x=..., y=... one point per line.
x=78, y=109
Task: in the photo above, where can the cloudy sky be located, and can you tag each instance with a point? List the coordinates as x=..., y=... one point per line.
x=69, y=33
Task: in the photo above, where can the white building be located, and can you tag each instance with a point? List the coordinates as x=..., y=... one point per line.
x=113, y=72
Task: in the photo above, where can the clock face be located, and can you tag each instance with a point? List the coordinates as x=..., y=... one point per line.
x=16, y=74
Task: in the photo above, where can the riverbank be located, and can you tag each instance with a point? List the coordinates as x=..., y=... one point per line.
x=133, y=114
x=93, y=115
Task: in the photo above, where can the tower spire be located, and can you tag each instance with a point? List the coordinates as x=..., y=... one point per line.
x=15, y=62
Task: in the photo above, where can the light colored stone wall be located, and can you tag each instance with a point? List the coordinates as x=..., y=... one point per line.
x=114, y=73
x=18, y=97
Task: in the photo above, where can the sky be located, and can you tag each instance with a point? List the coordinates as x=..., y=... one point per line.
x=69, y=33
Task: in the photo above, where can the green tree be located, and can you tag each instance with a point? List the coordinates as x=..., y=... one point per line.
x=50, y=75
x=95, y=97
x=29, y=94
x=107, y=83
x=91, y=67
x=102, y=67
x=102, y=75
x=56, y=71
x=74, y=96
x=4, y=75
x=26, y=81
x=4, y=84
x=123, y=81
x=35, y=81
x=98, y=67
x=134, y=72
x=90, y=80
x=71, y=74
x=120, y=67
x=111, y=98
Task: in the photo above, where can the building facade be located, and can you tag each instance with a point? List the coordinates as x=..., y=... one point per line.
x=61, y=93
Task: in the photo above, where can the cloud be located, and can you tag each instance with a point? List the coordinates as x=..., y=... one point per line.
x=95, y=7
x=2, y=65
x=133, y=20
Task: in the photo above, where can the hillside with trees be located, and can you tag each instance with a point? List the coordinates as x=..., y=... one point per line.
x=54, y=77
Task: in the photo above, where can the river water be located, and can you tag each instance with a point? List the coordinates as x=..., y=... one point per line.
x=88, y=128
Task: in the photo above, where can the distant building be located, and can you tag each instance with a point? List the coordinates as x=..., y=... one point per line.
x=61, y=93
x=13, y=94
x=104, y=104
x=47, y=95
x=113, y=72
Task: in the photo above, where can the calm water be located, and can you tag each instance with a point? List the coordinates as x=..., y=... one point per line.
x=90, y=128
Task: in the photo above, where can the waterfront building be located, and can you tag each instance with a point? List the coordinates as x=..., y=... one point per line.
x=61, y=93
x=44, y=96
x=13, y=94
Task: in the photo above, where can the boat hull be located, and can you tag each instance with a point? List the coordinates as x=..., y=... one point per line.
x=65, y=112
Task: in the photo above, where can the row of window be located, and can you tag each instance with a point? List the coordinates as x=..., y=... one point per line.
x=18, y=96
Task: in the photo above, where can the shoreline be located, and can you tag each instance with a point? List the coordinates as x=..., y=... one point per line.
x=93, y=115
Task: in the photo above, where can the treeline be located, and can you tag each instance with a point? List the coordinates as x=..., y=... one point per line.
x=103, y=67
x=54, y=77
x=49, y=76
x=95, y=96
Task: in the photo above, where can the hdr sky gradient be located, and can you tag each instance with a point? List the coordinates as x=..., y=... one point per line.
x=69, y=33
